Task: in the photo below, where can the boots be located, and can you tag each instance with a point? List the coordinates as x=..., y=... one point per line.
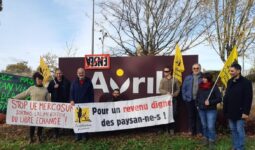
x=39, y=139
x=205, y=141
x=31, y=140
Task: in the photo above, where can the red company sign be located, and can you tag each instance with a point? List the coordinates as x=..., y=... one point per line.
x=97, y=61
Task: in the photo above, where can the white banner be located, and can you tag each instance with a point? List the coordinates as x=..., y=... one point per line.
x=95, y=117
x=38, y=113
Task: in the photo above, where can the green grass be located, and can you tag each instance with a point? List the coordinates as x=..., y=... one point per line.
x=140, y=141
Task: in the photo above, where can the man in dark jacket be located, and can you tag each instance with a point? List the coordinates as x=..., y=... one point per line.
x=81, y=92
x=237, y=104
x=59, y=88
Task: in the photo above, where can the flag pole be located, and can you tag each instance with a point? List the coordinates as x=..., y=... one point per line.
x=53, y=77
x=231, y=58
x=173, y=85
x=213, y=86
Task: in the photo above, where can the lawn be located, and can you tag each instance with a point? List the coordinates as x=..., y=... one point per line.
x=14, y=137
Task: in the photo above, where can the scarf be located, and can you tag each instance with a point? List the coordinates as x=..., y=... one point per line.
x=81, y=82
x=205, y=86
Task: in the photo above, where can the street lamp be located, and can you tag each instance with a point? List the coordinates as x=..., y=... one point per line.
x=93, y=15
x=1, y=5
x=104, y=34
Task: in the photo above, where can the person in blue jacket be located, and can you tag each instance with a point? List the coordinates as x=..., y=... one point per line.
x=81, y=92
x=207, y=99
x=189, y=96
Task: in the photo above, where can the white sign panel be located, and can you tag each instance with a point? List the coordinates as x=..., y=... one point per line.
x=38, y=113
x=108, y=116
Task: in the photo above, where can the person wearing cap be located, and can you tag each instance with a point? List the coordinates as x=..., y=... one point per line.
x=237, y=105
x=36, y=92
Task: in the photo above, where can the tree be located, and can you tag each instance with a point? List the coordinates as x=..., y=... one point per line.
x=154, y=26
x=251, y=58
x=20, y=68
x=51, y=60
x=234, y=24
x=70, y=50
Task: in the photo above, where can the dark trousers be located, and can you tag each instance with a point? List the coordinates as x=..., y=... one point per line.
x=56, y=132
x=172, y=126
x=32, y=132
x=80, y=136
x=193, y=118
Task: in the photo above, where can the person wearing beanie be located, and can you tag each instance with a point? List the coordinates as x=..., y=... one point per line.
x=36, y=92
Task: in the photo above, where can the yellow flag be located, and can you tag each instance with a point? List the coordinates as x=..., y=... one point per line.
x=178, y=66
x=224, y=74
x=45, y=71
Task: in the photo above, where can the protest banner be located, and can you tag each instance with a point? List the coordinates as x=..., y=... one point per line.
x=38, y=113
x=11, y=85
x=109, y=116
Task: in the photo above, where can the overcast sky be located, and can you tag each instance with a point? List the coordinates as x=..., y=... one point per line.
x=31, y=28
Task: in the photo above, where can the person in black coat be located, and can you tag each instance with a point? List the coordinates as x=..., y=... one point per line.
x=59, y=88
x=207, y=99
x=237, y=104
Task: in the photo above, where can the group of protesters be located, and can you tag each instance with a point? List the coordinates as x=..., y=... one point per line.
x=199, y=92
x=201, y=96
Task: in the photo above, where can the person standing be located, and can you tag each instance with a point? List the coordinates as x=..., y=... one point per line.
x=36, y=93
x=59, y=88
x=81, y=92
x=237, y=105
x=207, y=108
x=189, y=96
x=169, y=85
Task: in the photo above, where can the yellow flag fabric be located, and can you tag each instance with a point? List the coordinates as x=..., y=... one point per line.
x=178, y=66
x=45, y=71
x=224, y=74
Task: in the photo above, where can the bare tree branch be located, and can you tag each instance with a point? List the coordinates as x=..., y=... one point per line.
x=234, y=25
x=155, y=26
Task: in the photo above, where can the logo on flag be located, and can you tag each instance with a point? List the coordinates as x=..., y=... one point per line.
x=178, y=66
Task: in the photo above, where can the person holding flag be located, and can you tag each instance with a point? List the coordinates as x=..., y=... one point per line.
x=207, y=108
x=169, y=85
x=59, y=88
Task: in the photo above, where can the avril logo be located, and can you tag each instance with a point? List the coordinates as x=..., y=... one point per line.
x=152, y=83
